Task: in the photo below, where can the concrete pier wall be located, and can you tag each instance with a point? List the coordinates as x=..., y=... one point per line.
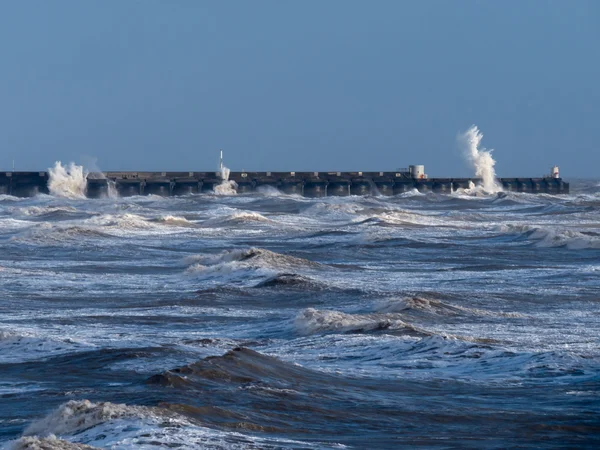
x=309, y=184
x=185, y=186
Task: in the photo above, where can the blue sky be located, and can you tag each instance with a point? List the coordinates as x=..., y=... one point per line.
x=303, y=85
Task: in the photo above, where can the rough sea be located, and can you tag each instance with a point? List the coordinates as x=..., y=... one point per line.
x=268, y=321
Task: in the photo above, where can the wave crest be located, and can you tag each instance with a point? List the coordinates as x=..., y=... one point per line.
x=313, y=321
x=24, y=346
x=550, y=237
x=49, y=443
x=236, y=218
x=79, y=415
x=435, y=307
x=252, y=261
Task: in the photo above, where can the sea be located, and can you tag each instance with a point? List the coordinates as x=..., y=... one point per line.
x=270, y=321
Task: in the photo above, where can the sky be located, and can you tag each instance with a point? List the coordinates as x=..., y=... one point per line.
x=300, y=85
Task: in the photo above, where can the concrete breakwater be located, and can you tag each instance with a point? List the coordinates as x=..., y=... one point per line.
x=309, y=184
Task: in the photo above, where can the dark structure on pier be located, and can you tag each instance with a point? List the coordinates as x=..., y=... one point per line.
x=309, y=184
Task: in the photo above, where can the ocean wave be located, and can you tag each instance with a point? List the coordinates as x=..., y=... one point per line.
x=247, y=383
x=290, y=280
x=433, y=307
x=78, y=415
x=46, y=232
x=48, y=443
x=271, y=191
x=246, y=264
x=334, y=209
x=571, y=239
x=253, y=255
x=125, y=221
x=414, y=192
x=240, y=365
x=10, y=198
x=236, y=218
x=314, y=321
x=97, y=226
x=8, y=224
x=103, y=226
x=550, y=237
x=437, y=356
x=47, y=211
x=406, y=218
x=16, y=347
x=174, y=220
x=84, y=425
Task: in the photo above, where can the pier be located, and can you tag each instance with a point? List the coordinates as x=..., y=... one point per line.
x=308, y=184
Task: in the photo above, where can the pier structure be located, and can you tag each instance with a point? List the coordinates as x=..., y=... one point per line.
x=308, y=184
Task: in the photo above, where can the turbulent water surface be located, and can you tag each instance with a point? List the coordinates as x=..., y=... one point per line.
x=271, y=321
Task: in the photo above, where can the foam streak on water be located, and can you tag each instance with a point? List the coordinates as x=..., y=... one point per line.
x=274, y=321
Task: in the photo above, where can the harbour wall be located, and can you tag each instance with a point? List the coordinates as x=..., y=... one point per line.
x=309, y=184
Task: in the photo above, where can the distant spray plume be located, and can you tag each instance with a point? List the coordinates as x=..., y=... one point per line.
x=481, y=159
x=67, y=182
x=227, y=187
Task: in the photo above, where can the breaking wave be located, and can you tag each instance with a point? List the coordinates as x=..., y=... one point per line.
x=434, y=307
x=312, y=321
x=100, y=226
x=270, y=191
x=68, y=182
x=253, y=261
x=175, y=221
x=236, y=218
x=571, y=239
x=554, y=237
x=48, y=443
x=290, y=280
x=48, y=212
x=78, y=415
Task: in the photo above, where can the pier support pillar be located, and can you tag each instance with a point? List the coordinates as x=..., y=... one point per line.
x=400, y=187
x=292, y=187
x=442, y=186
x=244, y=187
x=361, y=187
x=384, y=187
x=128, y=188
x=315, y=189
x=424, y=186
x=338, y=188
x=5, y=183
x=97, y=188
x=186, y=187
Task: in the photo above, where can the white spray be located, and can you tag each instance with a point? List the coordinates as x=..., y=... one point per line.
x=226, y=187
x=68, y=182
x=481, y=159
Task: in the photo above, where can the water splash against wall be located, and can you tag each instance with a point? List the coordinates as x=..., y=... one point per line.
x=227, y=186
x=67, y=182
x=481, y=159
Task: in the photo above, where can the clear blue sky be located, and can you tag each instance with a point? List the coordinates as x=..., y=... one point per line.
x=300, y=85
